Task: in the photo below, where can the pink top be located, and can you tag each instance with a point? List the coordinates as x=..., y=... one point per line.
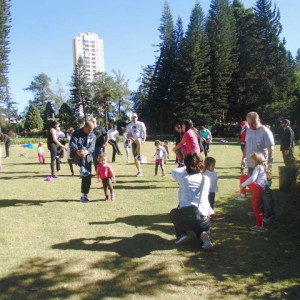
x=191, y=141
x=104, y=171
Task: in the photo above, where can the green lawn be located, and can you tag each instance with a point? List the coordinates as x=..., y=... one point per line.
x=54, y=247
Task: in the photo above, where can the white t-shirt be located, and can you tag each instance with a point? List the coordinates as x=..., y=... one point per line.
x=258, y=175
x=258, y=141
x=189, y=190
x=112, y=134
x=213, y=176
x=137, y=130
x=161, y=153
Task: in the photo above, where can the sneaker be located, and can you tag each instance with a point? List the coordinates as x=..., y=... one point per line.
x=267, y=220
x=257, y=228
x=112, y=197
x=208, y=245
x=84, y=199
x=181, y=238
x=250, y=214
x=55, y=176
x=241, y=197
x=83, y=172
x=106, y=198
x=139, y=174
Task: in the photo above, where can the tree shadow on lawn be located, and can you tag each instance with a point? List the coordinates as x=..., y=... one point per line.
x=40, y=278
x=160, y=222
x=20, y=202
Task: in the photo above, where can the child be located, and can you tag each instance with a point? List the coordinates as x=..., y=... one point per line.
x=256, y=184
x=210, y=164
x=160, y=157
x=166, y=147
x=41, y=153
x=107, y=176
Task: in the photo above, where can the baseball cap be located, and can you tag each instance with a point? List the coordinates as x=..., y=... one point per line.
x=134, y=115
x=285, y=121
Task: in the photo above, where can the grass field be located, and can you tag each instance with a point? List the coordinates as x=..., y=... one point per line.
x=54, y=247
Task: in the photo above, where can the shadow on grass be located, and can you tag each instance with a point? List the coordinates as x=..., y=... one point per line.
x=41, y=278
x=20, y=202
x=159, y=222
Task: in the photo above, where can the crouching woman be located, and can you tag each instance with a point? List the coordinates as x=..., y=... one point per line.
x=193, y=212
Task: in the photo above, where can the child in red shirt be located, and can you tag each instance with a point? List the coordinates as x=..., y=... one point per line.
x=107, y=176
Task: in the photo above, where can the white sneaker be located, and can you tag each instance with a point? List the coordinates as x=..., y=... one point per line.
x=241, y=197
x=208, y=245
x=139, y=174
x=181, y=238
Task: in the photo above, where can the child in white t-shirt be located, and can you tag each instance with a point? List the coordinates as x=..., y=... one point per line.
x=160, y=157
x=41, y=153
x=210, y=164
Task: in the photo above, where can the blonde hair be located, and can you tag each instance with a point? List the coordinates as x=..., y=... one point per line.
x=259, y=159
x=101, y=155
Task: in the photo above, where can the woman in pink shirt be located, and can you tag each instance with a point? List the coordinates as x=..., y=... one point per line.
x=189, y=138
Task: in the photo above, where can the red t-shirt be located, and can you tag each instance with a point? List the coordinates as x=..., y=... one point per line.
x=104, y=170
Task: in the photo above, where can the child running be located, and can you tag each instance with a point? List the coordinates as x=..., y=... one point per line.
x=107, y=176
x=210, y=164
x=256, y=183
x=160, y=157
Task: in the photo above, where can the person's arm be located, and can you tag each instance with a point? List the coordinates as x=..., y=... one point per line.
x=270, y=155
x=243, y=162
x=144, y=133
x=182, y=142
x=113, y=177
x=251, y=179
x=178, y=173
x=91, y=147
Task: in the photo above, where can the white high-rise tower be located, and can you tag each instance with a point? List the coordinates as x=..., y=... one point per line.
x=90, y=47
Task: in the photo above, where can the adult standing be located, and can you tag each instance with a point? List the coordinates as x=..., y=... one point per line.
x=205, y=138
x=6, y=140
x=137, y=134
x=287, y=143
x=259, y=138
x=101, y=139
x=82, y=146
x=189, y=138
x=52, y=144
x=113, y=138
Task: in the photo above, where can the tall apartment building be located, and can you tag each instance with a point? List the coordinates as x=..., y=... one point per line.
x=90, y=47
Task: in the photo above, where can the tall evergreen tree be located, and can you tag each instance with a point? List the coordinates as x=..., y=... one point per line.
x=66, y=117
x=40, y=87
x=48, y=113
x=222, y=39
x=80, y=91
x=163, y=76
x=33, y=120
x=191, y=96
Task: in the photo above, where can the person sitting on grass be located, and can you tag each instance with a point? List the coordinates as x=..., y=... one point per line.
x=193, y=191
x=256, y=183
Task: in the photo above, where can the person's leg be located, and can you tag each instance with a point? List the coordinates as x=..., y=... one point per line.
x=70, y=162
x=162, y=168
x=211, y=199
x=269, y=205
x=156, y=168
x=257, y=194
x=53, y=152
x=105, y=187
x=7, y=146
x=175, y=217
x=111, y=189
x=136, y=161
x=127, y=154
x=86, y=181
x=243, y=178
x=138, y=146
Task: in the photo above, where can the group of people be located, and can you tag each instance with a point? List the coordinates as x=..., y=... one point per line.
x=86, y=147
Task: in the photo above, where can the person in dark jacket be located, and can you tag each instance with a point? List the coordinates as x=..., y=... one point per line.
x=287, y=143
x=82, y=146
x=6, y=140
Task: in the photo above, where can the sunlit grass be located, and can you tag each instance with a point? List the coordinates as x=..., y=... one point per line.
x=54, y=247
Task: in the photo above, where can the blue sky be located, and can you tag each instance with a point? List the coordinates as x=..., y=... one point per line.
x=42, y=32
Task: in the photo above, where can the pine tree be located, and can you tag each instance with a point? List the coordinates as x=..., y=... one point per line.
x=162, y=80
x=222, y=39
x=48, y=113
x=33, y=120
x=66, y=117
x=192, y=90
x=80, y=91
x=40, y=87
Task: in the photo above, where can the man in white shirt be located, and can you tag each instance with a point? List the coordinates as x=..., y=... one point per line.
x=137, y=134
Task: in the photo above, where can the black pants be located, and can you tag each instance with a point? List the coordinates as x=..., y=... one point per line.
x=7, y=145
x=54, y=160
x=211, y=199
x=181, y=227
x=115, y=149
x=86, y=181
x=70, y=162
